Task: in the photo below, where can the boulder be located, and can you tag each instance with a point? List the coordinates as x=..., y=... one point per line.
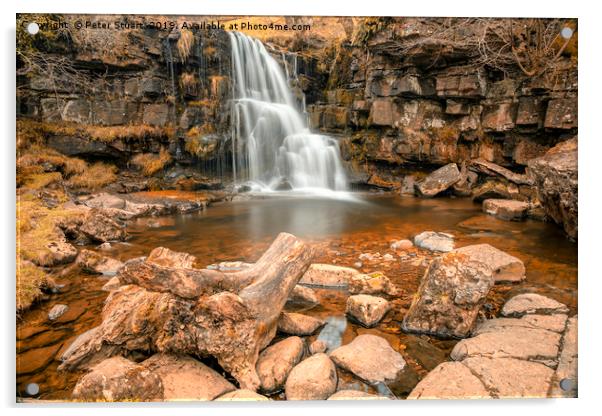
x=355, y=395
x=372, y=284
x=439, y=180
x=315, y=378
x=506, y=209
x=93, y=262
x=532, y=303
x=186, y=379
x=298, y=324
x=370, y=358
x=506, y=268
x=242, y=395
x=57, y=311
x=59, y=252
x=367, y=310
x=452, y=290
x=276, y=362
x=100, y=228
x=555, y=176
x=118, y=379
x=302, y=296
x=435, y=241
x=327, y=275
x=450, y=380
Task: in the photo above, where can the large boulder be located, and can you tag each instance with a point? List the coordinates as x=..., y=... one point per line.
x=506, y=209
x=435, y=241
x=506, y=268
x=370, y=358
x=452, y=290
x=315, y=378
x=555, y=176
x=328, y=275
x=58, y=252
x=298, y=324
x=439, y=180
x=367, y=310
x=276, y=362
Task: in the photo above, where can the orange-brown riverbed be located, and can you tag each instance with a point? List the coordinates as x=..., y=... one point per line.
x=342, y=229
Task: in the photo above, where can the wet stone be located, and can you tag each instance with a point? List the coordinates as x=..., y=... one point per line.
x=531, y=303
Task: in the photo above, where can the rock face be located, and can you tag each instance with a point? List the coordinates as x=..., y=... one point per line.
x=367, y=310
x=555, y=176
x=435, y=241
x=93, y=262
x=186, y=379
x=118, y=379
x=328, y=275
x=369, y=357
x=506, y=268
x=298, y=324
x=439, y=180
x=450, y=295
x=511, y=357
x=276, y=362
x=315, y=378
x=506, y=209
x=372, y=284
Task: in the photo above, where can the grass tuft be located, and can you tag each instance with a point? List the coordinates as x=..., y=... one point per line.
x=151, y=163
x=94, y=177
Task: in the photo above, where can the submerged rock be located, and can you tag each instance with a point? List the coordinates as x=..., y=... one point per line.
x=302, y=296
x=370, y=358
x=298, y=324
x=315, y=378
x=506, y=209
x=372, y=284
x=506, y=268
x=276, y=362
x=435, y=241
x=439, y=180
x=93, y=262
x=328, y=275
x=452, y=290
x=57, y=311
x=367, y=310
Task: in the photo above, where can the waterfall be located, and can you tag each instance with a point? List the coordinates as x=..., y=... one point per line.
x=272, y=146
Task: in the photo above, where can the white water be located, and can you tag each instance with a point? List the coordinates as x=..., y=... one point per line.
x=271, y=141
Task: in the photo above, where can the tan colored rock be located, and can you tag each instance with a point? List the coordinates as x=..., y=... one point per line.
x=167, y=258
x=555, y=323
x=242, y=396
x=59, y=252
x=317, y=347
x=298, y=324
x=303, y=296
x=439, y=180
x=450, y=380
x=328, y=275
x=435, y=241
x=511, y=378
x=315, y=378
x=370, y=358
x=532, y=303
x=98, y=227
x=450, y=295
x=355, y=395
x=566, y=374
x=276, y=362
x=118, y=379
x=506, y=209
x=367, y=310
x=506, y=268
x=113, y=284
x=372, y=284
x=401, y=245
x=93, y=262
x=57, y=311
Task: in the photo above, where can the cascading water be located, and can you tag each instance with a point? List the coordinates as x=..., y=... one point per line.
x=271, y=142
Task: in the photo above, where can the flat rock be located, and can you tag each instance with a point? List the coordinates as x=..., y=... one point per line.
x=370, y=358
x=328, y=275
x=314, y=378
x=105, y=200
x=536, y=345
x=57, y=311
x=506, y=268
x=566, y=372
x=168, y=258
x=367, y=310
x=532, y=303
x=435, y=241
x=511, y=378
x=506, y=209
x=372, y=284
x=93, y=262
x=118, y=379
x=355, y=395
x=298, y=324
x=555, y=323
x=439, y=180
x=276, y=362
x=242, y=395
x=184, y=378
x=450, y=380
x=453, y=288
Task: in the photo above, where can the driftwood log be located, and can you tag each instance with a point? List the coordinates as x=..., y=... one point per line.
x=164, y=307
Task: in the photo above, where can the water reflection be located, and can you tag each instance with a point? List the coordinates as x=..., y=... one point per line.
x=332, y=333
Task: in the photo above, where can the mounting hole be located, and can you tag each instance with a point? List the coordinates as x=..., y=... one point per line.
x=566, y=32
x=33, y=28
x=567, y=384
x=32, y=389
